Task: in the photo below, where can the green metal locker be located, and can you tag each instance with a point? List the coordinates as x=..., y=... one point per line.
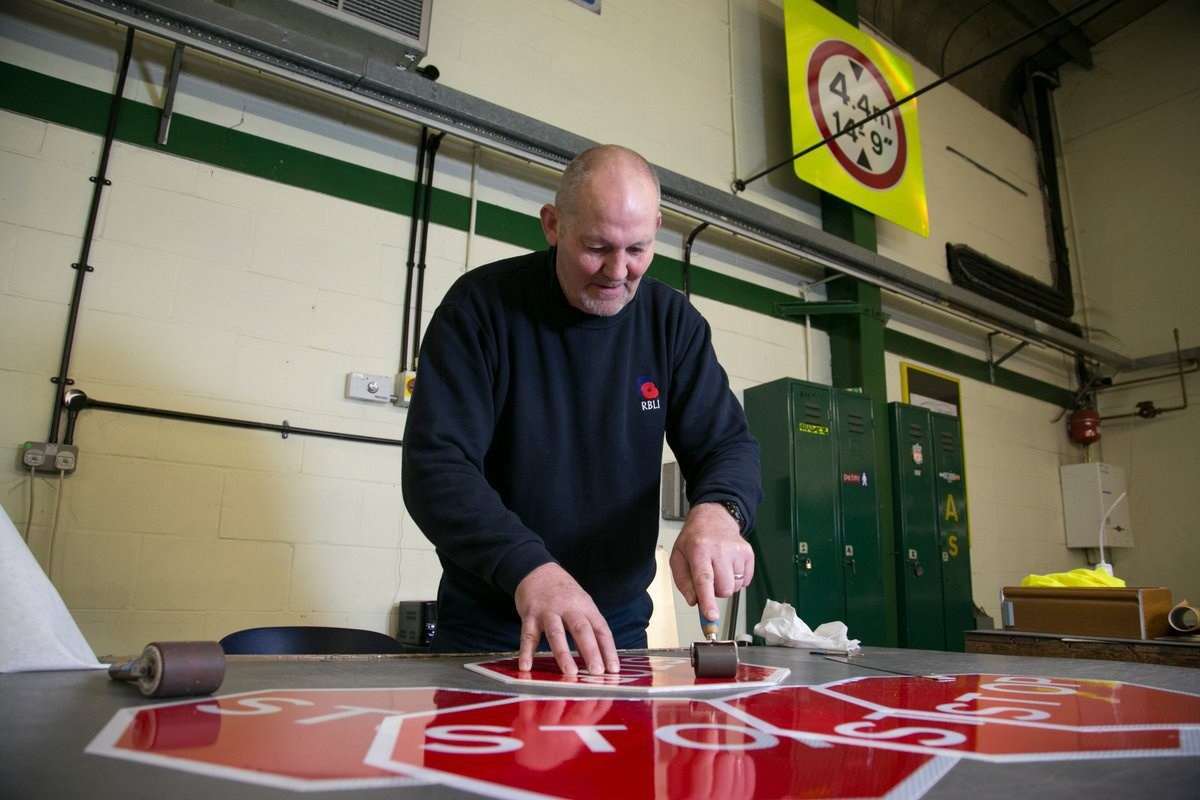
x=812, y=439
x=858, y=517
x=795, y=554
x=953, y=530
x=919, y=553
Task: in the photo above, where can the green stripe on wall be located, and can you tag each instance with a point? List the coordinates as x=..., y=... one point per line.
x=908, y=346
x=65, y=103
x=55, y=100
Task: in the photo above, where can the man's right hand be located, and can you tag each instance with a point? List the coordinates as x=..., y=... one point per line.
x=553, y=603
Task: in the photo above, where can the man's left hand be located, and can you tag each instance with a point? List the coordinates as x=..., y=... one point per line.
x=710, y=558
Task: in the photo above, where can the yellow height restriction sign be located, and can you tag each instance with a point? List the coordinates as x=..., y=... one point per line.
x=838, y=76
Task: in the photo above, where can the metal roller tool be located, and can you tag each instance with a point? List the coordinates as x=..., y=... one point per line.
x=713, y=657
x=174, y=669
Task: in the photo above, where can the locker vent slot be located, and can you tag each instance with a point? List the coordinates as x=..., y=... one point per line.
x=814, y=413
x=855, y=423
x=916, y=431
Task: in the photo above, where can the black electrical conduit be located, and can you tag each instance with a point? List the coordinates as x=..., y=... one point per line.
x=74, y=401
x=1061, y=280
x=435, y=141
x=82, y=267
x=687, y=258
x=418, y=186
x=739, y=184
x=77, y=402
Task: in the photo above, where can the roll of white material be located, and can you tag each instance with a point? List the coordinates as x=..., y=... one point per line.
x=38, y=632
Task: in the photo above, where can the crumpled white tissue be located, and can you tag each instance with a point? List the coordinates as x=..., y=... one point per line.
x=781, y=625
x=38, y=632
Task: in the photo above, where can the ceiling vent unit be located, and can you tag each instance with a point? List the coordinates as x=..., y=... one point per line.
x=402, y=22
x=355, y=37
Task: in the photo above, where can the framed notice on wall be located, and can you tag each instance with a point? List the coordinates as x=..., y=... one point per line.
x=928, y=389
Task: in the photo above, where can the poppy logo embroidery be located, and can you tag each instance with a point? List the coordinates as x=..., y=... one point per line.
x=649, y=392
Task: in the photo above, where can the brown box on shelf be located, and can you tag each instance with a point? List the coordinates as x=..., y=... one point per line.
x=1135, y=612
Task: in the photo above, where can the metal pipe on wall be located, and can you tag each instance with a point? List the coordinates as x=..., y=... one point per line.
x=435, y=142
x=410, y=264
x=412, y=97
x=76, y=402
x=82, y=267
x=687, y=258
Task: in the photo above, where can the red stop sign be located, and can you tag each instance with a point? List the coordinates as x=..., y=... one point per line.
x=1076, y=703
x=604, y=748
x=823, y=713
x=293, y=738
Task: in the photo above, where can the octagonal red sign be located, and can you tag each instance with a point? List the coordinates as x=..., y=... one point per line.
x=1075, y=703
x=293, y=738
x=635, y=748
x=638, y=675
x=898, y=717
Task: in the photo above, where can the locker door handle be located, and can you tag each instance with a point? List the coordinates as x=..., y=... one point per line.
x=853, y=567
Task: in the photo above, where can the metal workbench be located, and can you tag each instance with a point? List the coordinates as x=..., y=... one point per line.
x=47, y=720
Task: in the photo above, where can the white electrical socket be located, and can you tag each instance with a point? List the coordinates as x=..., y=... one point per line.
x=49, y=457
x=375, y=388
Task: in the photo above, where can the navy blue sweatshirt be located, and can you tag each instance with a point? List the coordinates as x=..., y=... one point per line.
x=535, y=434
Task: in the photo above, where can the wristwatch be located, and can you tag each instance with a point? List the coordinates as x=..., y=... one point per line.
x=736, y=513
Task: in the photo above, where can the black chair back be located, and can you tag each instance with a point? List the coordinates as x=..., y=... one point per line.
x=309, y=640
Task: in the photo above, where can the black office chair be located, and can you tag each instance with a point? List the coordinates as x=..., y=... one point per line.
x=293, y=640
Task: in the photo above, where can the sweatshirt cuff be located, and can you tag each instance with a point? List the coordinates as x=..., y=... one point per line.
x=519, y=562
x=722, y=497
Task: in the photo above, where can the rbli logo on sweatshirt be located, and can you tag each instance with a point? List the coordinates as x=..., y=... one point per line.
x=649, y=393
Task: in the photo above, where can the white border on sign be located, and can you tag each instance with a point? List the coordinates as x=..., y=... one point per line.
x=914, y=786
x=948, y=716
x=1189, y=735
x=777, y=674
x=105, y=744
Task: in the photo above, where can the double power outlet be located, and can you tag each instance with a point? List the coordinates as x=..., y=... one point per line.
x=49, y=457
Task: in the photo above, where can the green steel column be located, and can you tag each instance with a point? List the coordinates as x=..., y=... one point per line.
x=856, y=350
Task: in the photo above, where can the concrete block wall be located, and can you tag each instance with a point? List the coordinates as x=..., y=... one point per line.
x=223, y=293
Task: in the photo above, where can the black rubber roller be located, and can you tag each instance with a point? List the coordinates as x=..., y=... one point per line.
x=715, y=659
x=174, y=669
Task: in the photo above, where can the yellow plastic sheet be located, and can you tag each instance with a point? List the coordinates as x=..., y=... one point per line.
x=1076, y=578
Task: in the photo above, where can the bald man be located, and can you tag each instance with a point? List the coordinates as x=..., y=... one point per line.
x=533, y=444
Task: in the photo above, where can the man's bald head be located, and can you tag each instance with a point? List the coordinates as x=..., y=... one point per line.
x=592, y=161
x=603, y=224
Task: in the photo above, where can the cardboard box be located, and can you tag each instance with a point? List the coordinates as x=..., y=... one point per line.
x=1135, y=612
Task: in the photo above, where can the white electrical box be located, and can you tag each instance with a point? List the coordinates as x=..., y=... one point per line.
x=1088, y=491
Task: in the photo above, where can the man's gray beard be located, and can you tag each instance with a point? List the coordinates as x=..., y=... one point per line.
x=602, y=308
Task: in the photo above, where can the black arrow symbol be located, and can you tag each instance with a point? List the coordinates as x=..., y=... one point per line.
x=854, y=65
x=862, y=160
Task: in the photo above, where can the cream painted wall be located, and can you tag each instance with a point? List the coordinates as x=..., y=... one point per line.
x=1161, y=459
x=225, y=294
x=1128, y=146
x=1131, y=171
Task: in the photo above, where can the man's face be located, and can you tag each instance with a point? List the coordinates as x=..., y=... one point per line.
x=606, y=241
